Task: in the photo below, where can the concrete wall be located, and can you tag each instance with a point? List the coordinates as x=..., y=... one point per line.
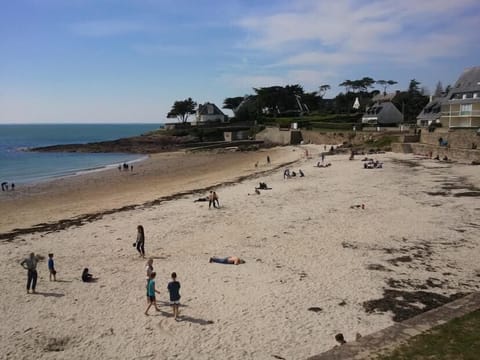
x=274, y=135
x=402, y=148
x=458, y=138
x=461, y=155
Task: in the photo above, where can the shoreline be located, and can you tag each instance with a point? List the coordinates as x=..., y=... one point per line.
x=80, y=220
x=32, y=181
x=155, y=176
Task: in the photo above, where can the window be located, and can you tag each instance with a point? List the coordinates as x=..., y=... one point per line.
x=466, y=109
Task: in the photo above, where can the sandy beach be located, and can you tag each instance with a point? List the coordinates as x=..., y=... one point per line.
x=316, y=264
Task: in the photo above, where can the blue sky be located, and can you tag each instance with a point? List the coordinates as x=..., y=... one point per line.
x=128, y=61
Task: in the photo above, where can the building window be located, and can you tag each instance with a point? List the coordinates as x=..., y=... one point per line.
x=466, y=109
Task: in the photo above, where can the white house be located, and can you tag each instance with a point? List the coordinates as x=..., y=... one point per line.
x=209, y=112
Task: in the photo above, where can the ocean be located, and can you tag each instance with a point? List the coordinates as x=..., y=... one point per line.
x=22, y=167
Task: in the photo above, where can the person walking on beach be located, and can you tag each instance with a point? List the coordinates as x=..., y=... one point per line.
x=149, y=271
x=211, y=200
x=215, y=200
x=51, y=268
x=140, y=243
x=151, y=293
x=174, y=291
x=30, y=264
x=268, y=159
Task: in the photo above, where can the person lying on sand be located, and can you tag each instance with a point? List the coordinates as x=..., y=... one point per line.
x=362, y=206
x=206, y=198
x=233, y=260
x=320, y=165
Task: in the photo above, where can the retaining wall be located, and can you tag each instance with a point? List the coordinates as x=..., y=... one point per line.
x=458, y=138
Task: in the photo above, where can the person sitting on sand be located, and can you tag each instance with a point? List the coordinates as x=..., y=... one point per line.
x=233, y=260
x=340, y=339
x=263, y=186
x=301, y=173
x=86, y=276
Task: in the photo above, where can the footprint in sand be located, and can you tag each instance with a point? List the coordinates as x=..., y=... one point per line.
x=164, y=326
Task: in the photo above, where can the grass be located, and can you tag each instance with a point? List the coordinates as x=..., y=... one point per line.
x=457, y=339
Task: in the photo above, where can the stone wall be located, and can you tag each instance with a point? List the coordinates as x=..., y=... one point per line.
x=461, y=155
x=458, y=138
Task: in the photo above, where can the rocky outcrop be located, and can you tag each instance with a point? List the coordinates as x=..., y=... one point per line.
x=145, y=144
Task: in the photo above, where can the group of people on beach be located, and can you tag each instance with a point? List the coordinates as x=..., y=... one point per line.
x=173, y=288
x=125, y=167
x=287, y=174
x=30, y=264
x=5, y=186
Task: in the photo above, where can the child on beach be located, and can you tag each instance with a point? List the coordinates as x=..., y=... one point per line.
x=140, y=243
x=174, y=291
x=149, y=271
x=51, y=268
x=151, y=293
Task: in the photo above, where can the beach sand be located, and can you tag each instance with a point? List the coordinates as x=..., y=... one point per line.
x=304, y=246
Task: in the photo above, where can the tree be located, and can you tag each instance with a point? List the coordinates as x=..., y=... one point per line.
x=438, y=90
x=411, y=102
x=385, y=84
x=232, y=103
x=413, y=87
x=322, y=90
x=182, y=109
x=347, y=84
x=276, y=99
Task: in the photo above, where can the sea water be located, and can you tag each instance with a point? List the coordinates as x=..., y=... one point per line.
x=19, y=166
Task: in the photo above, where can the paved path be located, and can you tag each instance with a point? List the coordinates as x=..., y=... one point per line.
x=393, y=336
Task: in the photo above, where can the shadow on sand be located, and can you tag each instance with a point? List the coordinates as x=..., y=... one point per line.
x=48, y=294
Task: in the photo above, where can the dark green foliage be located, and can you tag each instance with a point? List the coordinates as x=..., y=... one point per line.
x=182, y=109
x=411, y=102
x=232, y=103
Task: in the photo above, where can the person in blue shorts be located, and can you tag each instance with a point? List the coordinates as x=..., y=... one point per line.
x=151, y=293
x=51, y=268
x=174, y=291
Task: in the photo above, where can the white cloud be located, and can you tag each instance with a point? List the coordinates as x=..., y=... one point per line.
x=333, y=35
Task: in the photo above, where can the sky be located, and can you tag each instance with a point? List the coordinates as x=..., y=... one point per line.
x=125, y=61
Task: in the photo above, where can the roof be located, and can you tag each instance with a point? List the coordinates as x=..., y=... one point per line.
x=468, y=82
x=432, y=110
x=383, y=97
x=209, y=109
